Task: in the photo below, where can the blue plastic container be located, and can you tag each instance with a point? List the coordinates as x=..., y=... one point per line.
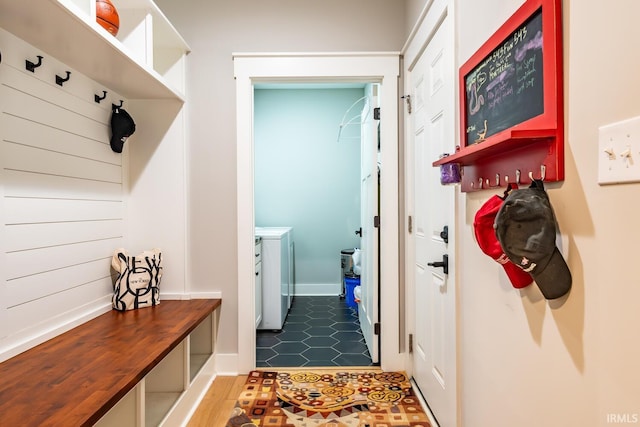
x=350, y=284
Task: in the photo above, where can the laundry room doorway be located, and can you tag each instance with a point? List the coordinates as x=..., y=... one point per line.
x=315, y=168
x=381, y=69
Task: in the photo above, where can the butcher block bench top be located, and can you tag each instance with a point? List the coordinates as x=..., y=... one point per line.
x=76, y=377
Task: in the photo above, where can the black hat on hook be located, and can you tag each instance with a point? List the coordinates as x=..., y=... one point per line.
x=526, y=228
x=122, y=127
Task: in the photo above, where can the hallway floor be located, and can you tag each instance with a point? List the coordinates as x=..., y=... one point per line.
x=319, y=331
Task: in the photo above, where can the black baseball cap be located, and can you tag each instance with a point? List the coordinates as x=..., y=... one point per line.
x=122, y=127
x=526, y=228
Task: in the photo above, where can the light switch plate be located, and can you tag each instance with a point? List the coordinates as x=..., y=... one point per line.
x=619, y=152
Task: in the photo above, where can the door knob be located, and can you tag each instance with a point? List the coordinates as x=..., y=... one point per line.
x=444, y=264
x=359, y=231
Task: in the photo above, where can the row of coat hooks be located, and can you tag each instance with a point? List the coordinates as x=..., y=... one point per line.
x=31, y=66
x=486, y=183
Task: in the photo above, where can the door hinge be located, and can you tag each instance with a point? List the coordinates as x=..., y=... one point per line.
x=410, y=343
x=376, y=328
x=376, y=221
x=376, y=113
x=410, y=224
x=407, y=98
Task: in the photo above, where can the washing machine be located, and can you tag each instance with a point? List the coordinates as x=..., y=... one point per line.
x=278, y=287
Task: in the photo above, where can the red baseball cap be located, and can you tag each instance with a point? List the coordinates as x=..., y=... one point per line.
x=489, y=244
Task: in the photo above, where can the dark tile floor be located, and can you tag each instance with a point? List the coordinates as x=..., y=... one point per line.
x=319, y=331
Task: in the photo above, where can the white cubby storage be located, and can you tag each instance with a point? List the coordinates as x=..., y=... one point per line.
x=79, y=182
x=145, y=60
x=155, y=401
x=76, y=169
x=164, y=385
x=200, y=347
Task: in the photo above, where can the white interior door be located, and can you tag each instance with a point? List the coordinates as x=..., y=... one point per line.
x=432, y=126
x=368, y=307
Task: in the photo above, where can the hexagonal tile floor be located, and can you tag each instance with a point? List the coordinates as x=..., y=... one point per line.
x=319, y=331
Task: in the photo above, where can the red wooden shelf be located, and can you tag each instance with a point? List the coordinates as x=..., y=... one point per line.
x=497, y=145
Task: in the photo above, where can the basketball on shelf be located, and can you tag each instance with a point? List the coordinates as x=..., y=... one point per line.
x=107, y=16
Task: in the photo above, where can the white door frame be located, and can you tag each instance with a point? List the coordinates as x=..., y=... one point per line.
x=384, y=67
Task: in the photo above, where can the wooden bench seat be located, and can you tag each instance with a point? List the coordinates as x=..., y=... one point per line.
x=76, y=377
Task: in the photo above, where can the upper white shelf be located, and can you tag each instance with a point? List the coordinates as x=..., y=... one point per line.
x=149, y=67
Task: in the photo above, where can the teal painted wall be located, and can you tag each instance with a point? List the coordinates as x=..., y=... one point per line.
x=307, y=179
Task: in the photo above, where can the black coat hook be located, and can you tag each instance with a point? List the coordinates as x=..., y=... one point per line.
x=30, y=66
x=60, y=80
x=114, y=106
x=99, y=98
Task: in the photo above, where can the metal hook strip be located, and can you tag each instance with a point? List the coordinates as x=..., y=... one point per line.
x=497, y=182
x=543, y=172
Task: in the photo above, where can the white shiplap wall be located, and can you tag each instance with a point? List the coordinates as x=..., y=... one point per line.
x=62, y=204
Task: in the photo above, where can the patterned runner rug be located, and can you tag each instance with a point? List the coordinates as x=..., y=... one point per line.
x=327, y=399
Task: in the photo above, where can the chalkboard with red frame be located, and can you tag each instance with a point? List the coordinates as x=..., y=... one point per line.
x=511, y=102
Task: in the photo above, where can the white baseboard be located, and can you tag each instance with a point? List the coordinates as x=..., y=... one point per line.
x=206, y=295
x=192, y=295
x=318, y=289
x=190, y=399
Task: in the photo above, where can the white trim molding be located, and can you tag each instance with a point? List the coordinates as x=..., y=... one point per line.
x=372, y=67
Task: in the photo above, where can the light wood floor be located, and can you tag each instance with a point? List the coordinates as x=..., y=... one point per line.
x=217, y=404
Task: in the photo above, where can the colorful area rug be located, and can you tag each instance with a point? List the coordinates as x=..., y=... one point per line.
x=331, y=399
